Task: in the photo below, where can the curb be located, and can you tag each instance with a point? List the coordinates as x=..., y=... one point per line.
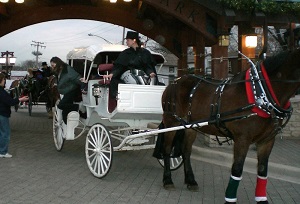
x=277, y=171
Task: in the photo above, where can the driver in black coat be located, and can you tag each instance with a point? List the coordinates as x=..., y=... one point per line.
x=132, y=58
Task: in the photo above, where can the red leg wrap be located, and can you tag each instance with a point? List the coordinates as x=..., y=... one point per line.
x=261, y=189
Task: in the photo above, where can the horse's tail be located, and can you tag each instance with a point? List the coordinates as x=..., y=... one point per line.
x=176, y=145
x=159, y=145
x=169, y=98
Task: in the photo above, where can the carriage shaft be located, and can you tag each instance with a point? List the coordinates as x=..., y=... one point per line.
x=153, y=132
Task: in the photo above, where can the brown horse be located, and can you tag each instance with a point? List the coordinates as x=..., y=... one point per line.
x=249, y=108
x=52, y=93
x=15, y=91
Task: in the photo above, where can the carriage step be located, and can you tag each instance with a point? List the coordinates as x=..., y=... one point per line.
x=138, y=141
x=73, y=118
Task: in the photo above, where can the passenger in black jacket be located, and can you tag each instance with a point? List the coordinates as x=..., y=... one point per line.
x=133, y=57
x=5, y=111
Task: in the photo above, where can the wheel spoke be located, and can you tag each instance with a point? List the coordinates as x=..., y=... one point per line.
x=92, y=155
x=105, y=151
x=105, y=157
x=90, y=142
x=102, y=164
x=93, y=135
x=94, y=160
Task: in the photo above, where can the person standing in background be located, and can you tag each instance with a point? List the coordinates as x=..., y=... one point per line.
x=6, y=101
x=46, y=70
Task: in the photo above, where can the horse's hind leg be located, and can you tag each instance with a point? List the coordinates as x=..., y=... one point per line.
x=240, y=153
x=189, y=138
x=263, y=153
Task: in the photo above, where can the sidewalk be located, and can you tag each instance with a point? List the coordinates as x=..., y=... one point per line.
x=37, y=173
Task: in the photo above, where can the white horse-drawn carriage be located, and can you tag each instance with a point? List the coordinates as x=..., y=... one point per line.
x=130, y=123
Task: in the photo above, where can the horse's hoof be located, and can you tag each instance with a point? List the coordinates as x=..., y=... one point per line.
x=263, y=202
x=194, y=188
x=230, y=203
x=169, y=187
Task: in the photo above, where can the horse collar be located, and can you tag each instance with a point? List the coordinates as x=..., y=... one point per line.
x=260, y=92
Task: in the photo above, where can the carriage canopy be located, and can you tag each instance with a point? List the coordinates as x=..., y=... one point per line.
x=83, y=59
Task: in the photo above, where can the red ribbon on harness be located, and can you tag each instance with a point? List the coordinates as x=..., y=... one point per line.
x=250, y=93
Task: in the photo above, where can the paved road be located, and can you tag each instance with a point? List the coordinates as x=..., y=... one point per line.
x=37, y=173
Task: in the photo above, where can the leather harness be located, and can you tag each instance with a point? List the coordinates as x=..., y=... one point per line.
x=264, y=99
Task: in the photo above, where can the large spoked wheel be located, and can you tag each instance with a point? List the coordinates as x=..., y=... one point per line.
x=30, y=103
x=98, y=150
x=58, y=130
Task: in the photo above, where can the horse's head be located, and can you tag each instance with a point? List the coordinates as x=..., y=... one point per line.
x=284, y=66
x=14, y=84
x=284, y=73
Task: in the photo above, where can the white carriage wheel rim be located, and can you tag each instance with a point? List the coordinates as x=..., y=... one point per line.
x=99, y=150
x=175, y=163
x=57, y=131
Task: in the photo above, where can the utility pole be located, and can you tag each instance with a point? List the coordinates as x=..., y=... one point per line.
x=37, y=52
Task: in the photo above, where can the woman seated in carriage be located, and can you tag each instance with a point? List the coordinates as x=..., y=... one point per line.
x=133, y=59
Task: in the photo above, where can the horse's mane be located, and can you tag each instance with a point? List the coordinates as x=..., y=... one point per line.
x=274, y=62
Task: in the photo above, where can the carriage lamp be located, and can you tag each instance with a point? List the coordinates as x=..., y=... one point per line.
x=251, y=41
x=96, y=92
x=115, y=1
x=223, y=40
x=17, y=1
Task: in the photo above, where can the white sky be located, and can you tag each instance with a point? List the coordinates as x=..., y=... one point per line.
x=59, y=37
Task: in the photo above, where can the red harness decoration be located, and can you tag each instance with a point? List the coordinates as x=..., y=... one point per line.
x=250, y=94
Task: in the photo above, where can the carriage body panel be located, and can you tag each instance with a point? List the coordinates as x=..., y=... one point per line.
x=137, y=105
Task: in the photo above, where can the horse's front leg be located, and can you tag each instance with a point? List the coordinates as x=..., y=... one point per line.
x=263, y=153
x=240, y=153
x=167, y=176
x=189, y=178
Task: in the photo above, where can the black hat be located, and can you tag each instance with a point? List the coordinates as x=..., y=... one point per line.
x=44, y=63
x=132, y=35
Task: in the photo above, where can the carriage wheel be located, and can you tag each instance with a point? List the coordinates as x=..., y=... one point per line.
x=98, y=150
x=58, y=130
x=30, y=103
x=175, y=163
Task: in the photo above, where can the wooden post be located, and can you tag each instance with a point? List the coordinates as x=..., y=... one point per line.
x=182, y=61
x=199, y=58
x=219, y=62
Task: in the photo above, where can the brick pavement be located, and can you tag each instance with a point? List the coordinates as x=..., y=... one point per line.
x=37, y=173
